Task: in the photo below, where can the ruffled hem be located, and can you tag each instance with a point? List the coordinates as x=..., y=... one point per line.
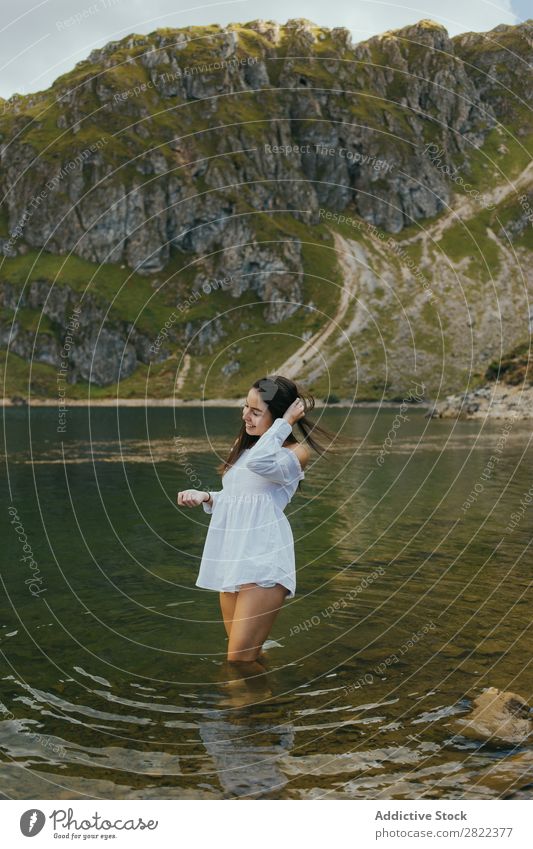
x=232, y=588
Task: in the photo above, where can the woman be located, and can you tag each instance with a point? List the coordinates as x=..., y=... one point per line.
x=249, y=550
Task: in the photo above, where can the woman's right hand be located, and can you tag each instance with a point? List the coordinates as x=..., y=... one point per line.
x=295, y=411
x=191, y=497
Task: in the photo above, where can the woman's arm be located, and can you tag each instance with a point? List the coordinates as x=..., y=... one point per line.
x=195, y=497
x=209, y=503
x=269, y=459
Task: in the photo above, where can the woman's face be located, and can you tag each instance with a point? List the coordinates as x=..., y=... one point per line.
x=255, y=414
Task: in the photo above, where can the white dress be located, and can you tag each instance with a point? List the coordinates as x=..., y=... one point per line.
x=249, y=539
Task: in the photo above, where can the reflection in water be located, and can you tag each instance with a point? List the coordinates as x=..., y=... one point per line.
x=246, y=753
x=114, y=683
x=243, y=744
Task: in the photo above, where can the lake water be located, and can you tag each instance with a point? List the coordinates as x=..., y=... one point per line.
x=113, y=676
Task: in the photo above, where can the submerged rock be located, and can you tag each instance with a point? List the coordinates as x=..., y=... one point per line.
x=501, y=715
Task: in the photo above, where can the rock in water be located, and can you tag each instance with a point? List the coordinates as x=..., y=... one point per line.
x=505, y=716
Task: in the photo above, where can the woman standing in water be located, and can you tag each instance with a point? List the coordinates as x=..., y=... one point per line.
x=248, y=555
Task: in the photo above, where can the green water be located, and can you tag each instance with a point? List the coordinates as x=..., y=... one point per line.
x=113, y=677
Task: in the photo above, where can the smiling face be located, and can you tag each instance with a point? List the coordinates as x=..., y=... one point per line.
x=256, y=414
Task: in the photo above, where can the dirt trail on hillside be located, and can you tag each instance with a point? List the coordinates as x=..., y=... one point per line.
x=298, y=363
x=466, y=207
x=182, y=376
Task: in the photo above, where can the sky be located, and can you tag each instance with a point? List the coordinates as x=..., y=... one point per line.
x=42, y=39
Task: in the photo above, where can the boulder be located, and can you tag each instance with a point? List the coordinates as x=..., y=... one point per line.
x=498, y=715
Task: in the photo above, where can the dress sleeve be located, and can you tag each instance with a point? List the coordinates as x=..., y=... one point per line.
x=208, y=508
x=269, y=459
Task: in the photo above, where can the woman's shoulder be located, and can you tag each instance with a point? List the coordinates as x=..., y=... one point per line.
x=302, y=452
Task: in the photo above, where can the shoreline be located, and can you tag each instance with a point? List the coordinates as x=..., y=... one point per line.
x=497, y=401
x=492, y=401
x=178, y=402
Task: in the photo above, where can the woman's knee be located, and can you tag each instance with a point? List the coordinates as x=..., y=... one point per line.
x=243, y=646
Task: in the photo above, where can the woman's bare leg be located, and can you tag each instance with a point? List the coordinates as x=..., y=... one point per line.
x=243, y=683
x=227, y=606
x=255, y=611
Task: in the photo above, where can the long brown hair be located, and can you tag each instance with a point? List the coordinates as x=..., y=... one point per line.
x=279, y=393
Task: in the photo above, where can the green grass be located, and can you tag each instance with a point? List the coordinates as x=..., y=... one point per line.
x=251, y=43
x=132, y=292
x=15, y=372
x=488, y=163
x=4, y=222
x=469, y=239
x=29, y=319
x=509, y=211
x=44, y=381
x=525, y=240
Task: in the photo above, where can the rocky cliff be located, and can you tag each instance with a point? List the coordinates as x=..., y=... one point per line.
x=507, y=393
x=373, y=196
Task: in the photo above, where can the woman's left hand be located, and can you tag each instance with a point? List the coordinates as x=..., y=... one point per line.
x=191, y=498
x=295, y=411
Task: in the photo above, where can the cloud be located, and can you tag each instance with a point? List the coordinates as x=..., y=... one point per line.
x=43, y=40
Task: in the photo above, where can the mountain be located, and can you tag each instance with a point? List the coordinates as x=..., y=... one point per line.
x=220, y=203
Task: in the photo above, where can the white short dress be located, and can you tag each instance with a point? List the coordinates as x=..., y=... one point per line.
x=249, y=539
